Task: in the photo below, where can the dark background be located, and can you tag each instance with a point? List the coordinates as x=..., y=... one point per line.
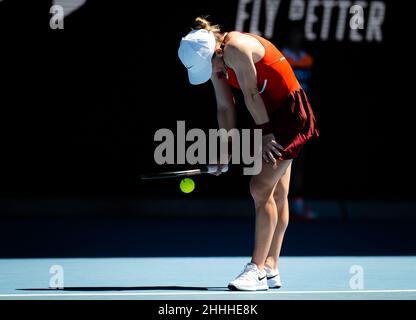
x=80, y=105
x=79, y=108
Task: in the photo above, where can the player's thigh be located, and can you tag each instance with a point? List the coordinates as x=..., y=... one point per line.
x=263, y=184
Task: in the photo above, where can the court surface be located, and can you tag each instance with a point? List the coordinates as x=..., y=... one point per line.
x=206, y=278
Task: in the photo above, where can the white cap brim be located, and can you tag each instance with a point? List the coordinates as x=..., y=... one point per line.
x=200, y=75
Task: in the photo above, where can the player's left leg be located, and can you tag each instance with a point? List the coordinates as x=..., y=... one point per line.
x=280, y=195
x=262, y=188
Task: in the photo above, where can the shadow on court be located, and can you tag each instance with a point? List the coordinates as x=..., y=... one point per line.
x=149, y=288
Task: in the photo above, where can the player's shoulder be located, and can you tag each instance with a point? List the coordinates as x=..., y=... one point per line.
x=236, y=42
x=236, y=38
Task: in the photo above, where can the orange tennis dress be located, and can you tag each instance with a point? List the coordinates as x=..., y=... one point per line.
x=288, y=107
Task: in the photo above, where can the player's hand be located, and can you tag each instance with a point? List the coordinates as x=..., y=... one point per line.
x=271, y=149
x=217, y=169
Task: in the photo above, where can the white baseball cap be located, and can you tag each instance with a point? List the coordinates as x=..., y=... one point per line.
x=195, y=51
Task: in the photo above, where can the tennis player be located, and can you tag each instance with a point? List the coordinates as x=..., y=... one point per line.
x=278, y=106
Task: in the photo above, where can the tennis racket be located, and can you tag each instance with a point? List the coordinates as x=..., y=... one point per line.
x=183, y=173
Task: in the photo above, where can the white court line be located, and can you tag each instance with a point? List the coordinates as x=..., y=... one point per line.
x=197, y=293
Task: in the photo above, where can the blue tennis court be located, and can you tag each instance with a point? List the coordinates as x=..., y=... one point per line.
x=206, y=278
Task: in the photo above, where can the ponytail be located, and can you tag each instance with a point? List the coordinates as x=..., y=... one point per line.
x=202, y=23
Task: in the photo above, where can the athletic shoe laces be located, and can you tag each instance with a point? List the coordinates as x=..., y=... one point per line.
x=248, y=270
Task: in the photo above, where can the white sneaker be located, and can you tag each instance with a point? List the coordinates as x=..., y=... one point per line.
x=273, y=278
x=251, y=279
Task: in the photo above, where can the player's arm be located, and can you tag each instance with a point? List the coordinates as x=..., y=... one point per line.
x=239, y=57
x=226, y=113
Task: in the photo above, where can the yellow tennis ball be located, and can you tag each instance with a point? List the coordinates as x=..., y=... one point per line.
x=187, y=185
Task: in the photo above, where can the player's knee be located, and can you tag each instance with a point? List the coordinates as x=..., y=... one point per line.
x=283, y=222
x=260, y=192
x=281, y=195
x=282, y=204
